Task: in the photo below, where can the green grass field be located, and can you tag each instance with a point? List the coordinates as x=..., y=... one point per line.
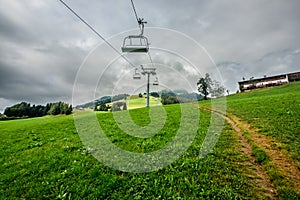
x=44, y=158
x=275, y=113
x=141, y=102
x=135, y=102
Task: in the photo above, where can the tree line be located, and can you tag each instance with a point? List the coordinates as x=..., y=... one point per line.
x=24, y=109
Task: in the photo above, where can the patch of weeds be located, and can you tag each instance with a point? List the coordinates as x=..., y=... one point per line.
x=33, y=145
x=284, y=188
x=260, y=155
x=70, y=148
x=287, y=193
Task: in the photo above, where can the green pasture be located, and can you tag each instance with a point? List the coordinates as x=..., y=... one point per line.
x=141, y=102
x=44, y=158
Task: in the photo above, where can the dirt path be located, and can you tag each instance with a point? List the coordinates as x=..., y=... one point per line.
x=262, y=178
x=286, y=167
x=284, y=164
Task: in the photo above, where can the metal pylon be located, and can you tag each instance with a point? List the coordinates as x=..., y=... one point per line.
x=148, y=72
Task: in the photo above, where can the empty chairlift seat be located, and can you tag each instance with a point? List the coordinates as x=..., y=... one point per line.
x=135, y=44
x=136, y=75
x=156, y=82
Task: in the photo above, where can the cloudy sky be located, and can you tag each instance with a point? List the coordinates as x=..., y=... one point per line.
x=44, y=47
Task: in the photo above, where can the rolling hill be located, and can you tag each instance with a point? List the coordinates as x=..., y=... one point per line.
x=44, y=157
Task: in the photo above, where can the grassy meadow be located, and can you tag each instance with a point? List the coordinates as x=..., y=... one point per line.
x=134, y=103
x=44, y=158
x=275, y=112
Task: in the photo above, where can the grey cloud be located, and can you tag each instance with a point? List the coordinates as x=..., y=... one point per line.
x=231, y=73
x=43, y=44
x=280, y=62
x=179, y=66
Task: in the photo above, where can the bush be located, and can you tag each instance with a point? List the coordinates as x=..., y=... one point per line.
x=154, y=94
x=102, y=107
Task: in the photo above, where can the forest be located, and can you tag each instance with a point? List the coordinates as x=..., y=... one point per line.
x=26, y=110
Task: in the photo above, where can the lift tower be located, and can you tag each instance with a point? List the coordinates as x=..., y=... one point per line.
x=148, y=71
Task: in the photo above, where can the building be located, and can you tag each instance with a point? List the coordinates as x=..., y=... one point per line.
x=268, y=81
x=292, y=77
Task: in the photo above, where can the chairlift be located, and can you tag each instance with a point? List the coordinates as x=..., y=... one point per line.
x=156, y=82
x=135, y=44
x=136, y=75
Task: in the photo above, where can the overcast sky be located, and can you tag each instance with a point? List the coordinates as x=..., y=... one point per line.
x=43, y=45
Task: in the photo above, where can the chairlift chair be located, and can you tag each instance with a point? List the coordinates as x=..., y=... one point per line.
x=135, y=44
x=156, y=82
x=136, y=75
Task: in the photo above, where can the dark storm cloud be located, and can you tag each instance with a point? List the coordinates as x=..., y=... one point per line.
x=9, y=29
x=43, y=44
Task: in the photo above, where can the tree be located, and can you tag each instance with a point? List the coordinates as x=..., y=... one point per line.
x=40, y=111
x=154, y=94
x=169, y=98
x=60, y=108
x=217, y=90
x=208, y=86
x=48, y=106
x=124, y=106
x=19, y=110
x=204, y=85
x=55, y=109
x=69, y=110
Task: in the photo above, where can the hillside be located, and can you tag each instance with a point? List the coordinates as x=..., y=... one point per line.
x=275, y=112
x=269, y=120
x=45, y=158
x=133, y=103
